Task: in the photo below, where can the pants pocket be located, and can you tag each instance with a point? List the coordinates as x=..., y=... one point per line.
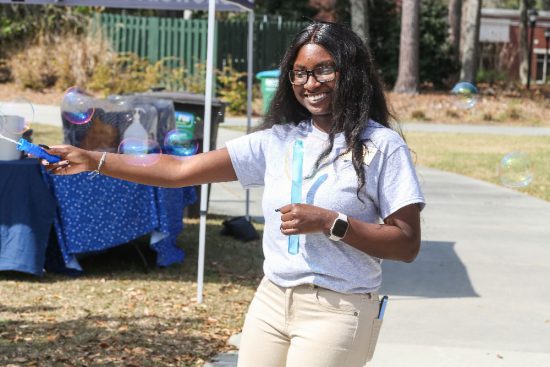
x=375, y=331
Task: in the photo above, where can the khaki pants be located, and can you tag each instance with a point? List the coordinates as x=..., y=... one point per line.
x=309, y=326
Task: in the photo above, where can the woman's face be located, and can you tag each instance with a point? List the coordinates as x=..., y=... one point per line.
x=315, y=96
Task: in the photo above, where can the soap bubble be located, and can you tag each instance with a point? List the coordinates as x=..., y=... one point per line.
x=140, y=152
x=15, y=117
x=515, y=170
x=77, y=107
x=180, y=143
x=465, y=95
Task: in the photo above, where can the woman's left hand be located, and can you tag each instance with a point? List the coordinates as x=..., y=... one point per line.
x=305, y=218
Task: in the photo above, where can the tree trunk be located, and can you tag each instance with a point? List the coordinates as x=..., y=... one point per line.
x=470, y=33
x=523, y=38
x=407, y=74
x=359, y=10
x=455, y=18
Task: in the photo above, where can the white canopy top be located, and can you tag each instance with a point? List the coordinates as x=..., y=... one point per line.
x=223, y=5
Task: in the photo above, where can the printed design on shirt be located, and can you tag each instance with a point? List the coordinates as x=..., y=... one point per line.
x=310, y=196
x=312, y=181
x=370, y=153
x=310, y=142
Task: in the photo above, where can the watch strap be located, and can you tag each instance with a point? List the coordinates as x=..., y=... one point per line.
x=338, y=236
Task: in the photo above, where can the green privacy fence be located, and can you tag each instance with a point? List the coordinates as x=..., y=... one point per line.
x=185, y=40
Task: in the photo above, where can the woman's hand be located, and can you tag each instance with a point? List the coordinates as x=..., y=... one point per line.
x=73, y=160
x=397, y=239
x=305, y=218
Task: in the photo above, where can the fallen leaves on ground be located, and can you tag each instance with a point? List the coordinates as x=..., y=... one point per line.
x=117, y=315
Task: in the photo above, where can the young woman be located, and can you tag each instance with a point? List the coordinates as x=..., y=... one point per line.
x=357, y=201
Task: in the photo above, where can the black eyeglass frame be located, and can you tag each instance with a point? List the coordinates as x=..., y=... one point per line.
x=312, y=73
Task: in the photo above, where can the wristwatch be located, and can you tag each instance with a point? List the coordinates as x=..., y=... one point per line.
x=339, y=227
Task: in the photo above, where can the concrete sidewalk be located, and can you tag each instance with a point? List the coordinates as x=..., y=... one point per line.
x=477, y=295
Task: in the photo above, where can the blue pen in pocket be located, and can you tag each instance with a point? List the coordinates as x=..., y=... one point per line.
x=296, y=189
x=383, y=303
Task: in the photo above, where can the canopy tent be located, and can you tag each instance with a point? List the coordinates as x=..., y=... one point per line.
x=211, y=6
x=223, y=5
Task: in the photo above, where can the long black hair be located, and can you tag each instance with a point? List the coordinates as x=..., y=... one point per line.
x=358, y=95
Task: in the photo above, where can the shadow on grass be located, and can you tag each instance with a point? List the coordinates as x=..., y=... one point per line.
x=107, y=341
x=115, y=313
x=226, y=259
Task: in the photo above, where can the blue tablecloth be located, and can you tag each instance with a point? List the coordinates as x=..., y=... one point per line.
x=27, y=210
x=96, y=214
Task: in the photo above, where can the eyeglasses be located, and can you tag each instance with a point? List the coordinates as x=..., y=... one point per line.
x=322, y=74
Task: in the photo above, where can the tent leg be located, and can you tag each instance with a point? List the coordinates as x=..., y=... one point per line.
x=206, y=142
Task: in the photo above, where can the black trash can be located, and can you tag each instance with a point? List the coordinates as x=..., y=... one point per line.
x=187, y=107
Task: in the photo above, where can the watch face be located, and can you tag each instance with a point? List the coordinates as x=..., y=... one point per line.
x=340, y=228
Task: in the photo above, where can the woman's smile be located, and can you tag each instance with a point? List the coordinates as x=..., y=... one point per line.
x=315, y=98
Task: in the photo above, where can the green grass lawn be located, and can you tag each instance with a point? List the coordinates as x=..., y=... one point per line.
x=478, y=156
x=47, y=134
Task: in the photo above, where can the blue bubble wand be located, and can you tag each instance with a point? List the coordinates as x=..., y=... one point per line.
x=296, y=189
x=35, y=150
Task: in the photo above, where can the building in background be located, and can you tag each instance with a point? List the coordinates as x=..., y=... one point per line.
x=499, y=37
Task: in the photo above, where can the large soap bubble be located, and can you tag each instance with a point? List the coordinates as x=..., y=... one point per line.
x=140, y=152
x=77, y=107
x=515, y=170
x=180, y=143
x=465, y=95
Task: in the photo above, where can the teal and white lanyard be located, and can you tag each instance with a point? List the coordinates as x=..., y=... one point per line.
x=296, y=190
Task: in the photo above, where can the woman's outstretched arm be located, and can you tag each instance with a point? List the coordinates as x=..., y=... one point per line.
x=169, y=171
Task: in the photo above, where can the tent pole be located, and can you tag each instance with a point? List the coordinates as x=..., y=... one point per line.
x=249, y=79
x=206, y=142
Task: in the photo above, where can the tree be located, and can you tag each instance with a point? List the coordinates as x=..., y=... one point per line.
x=326, y=10
x=470, y=40
x=455, y=17
x=407, y=73
x=438, y=64
x=289, y=9
x=359, y=10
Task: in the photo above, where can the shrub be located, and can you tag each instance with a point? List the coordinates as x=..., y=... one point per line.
x=61, y=61
x=490, y=76
x=487, y=116
x=125, y=73
x=513, y=113
x=232, y=88
x=34, y=67
x=452, y=114
x=419, y=115
x=88, y=61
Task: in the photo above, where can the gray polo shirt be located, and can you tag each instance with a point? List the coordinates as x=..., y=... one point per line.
x=264, y=158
